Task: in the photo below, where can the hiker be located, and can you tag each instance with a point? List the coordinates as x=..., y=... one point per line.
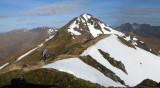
x=44, y=53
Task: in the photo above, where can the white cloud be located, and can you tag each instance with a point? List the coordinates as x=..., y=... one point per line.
x=66, y=7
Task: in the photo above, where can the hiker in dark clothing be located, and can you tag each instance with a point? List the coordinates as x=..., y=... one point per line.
x=44, y=53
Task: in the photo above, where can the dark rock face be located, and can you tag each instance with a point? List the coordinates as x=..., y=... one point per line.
x=144, y=30
x=107, y=72
x=112, y=61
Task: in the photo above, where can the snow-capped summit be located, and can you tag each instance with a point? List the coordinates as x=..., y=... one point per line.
x=89, y=26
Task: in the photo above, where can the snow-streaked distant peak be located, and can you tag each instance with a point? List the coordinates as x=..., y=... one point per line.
x=94, y=26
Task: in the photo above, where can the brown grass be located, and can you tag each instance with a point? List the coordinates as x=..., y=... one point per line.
x=78, y=50
x=14, y=42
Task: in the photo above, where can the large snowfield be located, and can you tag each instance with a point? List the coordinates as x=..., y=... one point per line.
x=81, y=70
x=139, y=63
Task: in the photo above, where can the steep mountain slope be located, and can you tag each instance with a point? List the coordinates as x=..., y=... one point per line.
x=19, y=40
x=85, y=49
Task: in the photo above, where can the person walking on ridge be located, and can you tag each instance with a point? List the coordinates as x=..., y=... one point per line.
x=44, y=53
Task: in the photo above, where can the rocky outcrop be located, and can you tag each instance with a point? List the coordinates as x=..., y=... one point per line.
x=112, y=61
x=90, y=61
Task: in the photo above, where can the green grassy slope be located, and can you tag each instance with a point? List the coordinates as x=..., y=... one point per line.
x=47, y=77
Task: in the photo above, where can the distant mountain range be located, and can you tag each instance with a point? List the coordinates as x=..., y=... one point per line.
x=144, y=30
x=18, y=40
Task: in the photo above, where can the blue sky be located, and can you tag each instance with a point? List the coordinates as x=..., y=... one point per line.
x=17, y=14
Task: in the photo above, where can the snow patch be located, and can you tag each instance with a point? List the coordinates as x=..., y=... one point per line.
x=150, y=49
x=135, y=39
x=4, y=65
x=82, y=20
x=141, y=42
x=93, y=31
x=102, y=25
x=73, y=38
x=40, y=45
x=50, y=37
x=134, y=43
x=81, y=70
x=25, y=30
x=71, y=29
x=128, y=38
x=86, y=17
x=114, y=31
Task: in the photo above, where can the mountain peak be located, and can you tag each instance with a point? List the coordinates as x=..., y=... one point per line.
x=87, y=27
